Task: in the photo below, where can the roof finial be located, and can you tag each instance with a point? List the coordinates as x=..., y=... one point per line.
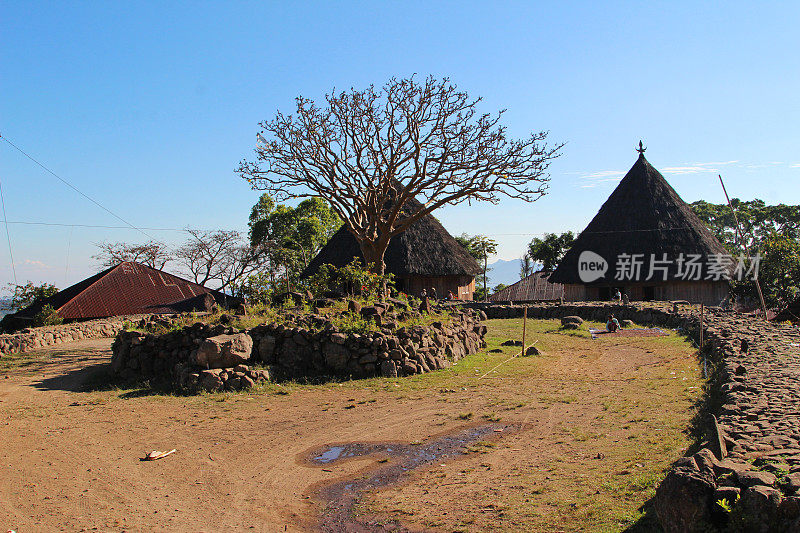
x=641, y=149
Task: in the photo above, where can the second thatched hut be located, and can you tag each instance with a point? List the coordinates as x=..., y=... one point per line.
x=647, y=243
x=424, y=256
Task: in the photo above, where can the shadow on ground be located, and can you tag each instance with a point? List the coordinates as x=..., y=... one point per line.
x=82, y=379
x=698, y=431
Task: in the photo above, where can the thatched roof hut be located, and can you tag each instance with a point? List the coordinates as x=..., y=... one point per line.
x=533, y=288
x=424, y=256
x=652, y=244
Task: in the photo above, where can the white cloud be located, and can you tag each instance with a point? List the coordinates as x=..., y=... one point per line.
x=37, y=264
x=711, y=167
x=715, y=163
x=602, y=177
x=595, y=179
x=694, y=169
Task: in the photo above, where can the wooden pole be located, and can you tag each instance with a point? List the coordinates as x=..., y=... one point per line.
x=524, y=324
x=740, y=236
x=702, y=314
x=705, y=364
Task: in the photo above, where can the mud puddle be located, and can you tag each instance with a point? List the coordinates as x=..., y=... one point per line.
x=341, y=497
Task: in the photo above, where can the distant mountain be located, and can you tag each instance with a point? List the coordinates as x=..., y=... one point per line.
x=505, y=272
x=5, y=307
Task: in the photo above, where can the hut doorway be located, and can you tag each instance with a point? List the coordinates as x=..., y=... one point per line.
x=604, y=294
x=648, y=293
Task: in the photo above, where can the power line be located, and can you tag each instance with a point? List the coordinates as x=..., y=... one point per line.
x=8, y=235
x=64, y=225
x=98, y=226
x=71, y=186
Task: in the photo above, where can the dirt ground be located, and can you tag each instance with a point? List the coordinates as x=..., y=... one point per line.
x=600, y=421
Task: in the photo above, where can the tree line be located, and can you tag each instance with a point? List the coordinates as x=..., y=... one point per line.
x=279, y=244
x=771, y=231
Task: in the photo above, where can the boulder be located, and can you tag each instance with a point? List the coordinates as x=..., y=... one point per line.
x=210, y=380
x=400, y=304
x=224, y=351
x=336, y=355
x=571, y=320
x=761, y=503
x=353, y=306
x=266, y=348
x=372, y=310
x=388, y=369
x=753, y=478
x=532, y=350
x=683, y=499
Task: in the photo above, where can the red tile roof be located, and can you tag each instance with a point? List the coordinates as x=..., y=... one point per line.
x=127, y=289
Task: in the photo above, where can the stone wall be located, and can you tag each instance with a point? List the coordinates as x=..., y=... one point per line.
x=300, y=351
x=34, y=338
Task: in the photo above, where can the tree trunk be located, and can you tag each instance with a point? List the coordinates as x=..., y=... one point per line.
x=373, y=253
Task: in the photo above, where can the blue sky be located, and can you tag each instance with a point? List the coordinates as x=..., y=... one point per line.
x=148, y=107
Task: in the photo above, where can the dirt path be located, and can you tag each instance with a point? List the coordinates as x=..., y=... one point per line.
x=69, y=459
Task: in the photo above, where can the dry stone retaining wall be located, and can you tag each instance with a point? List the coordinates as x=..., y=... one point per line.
x=297, y=352
x=34, y=338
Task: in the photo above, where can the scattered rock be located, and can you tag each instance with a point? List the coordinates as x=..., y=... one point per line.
x=571, y=320
x=511, y=343
x=532, y=350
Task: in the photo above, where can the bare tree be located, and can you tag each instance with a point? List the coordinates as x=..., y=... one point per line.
x=220, y=256
x=153, y=254
x=369, y=153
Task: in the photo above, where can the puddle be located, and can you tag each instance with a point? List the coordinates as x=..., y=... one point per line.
x=340, y=498
x=333, y=453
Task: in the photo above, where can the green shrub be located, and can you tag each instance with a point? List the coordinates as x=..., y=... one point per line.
x=352, y=279
x=47, y=317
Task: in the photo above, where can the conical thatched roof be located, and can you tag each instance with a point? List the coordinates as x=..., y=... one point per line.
x=644, y=215
x=425, y=249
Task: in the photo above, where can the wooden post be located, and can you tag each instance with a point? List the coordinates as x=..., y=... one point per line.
x=702, y=313
x=524, y=324
x=705, y=364
x=740, y=236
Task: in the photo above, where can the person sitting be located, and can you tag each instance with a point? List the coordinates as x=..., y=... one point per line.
x=612, y=325
x=618, y=296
